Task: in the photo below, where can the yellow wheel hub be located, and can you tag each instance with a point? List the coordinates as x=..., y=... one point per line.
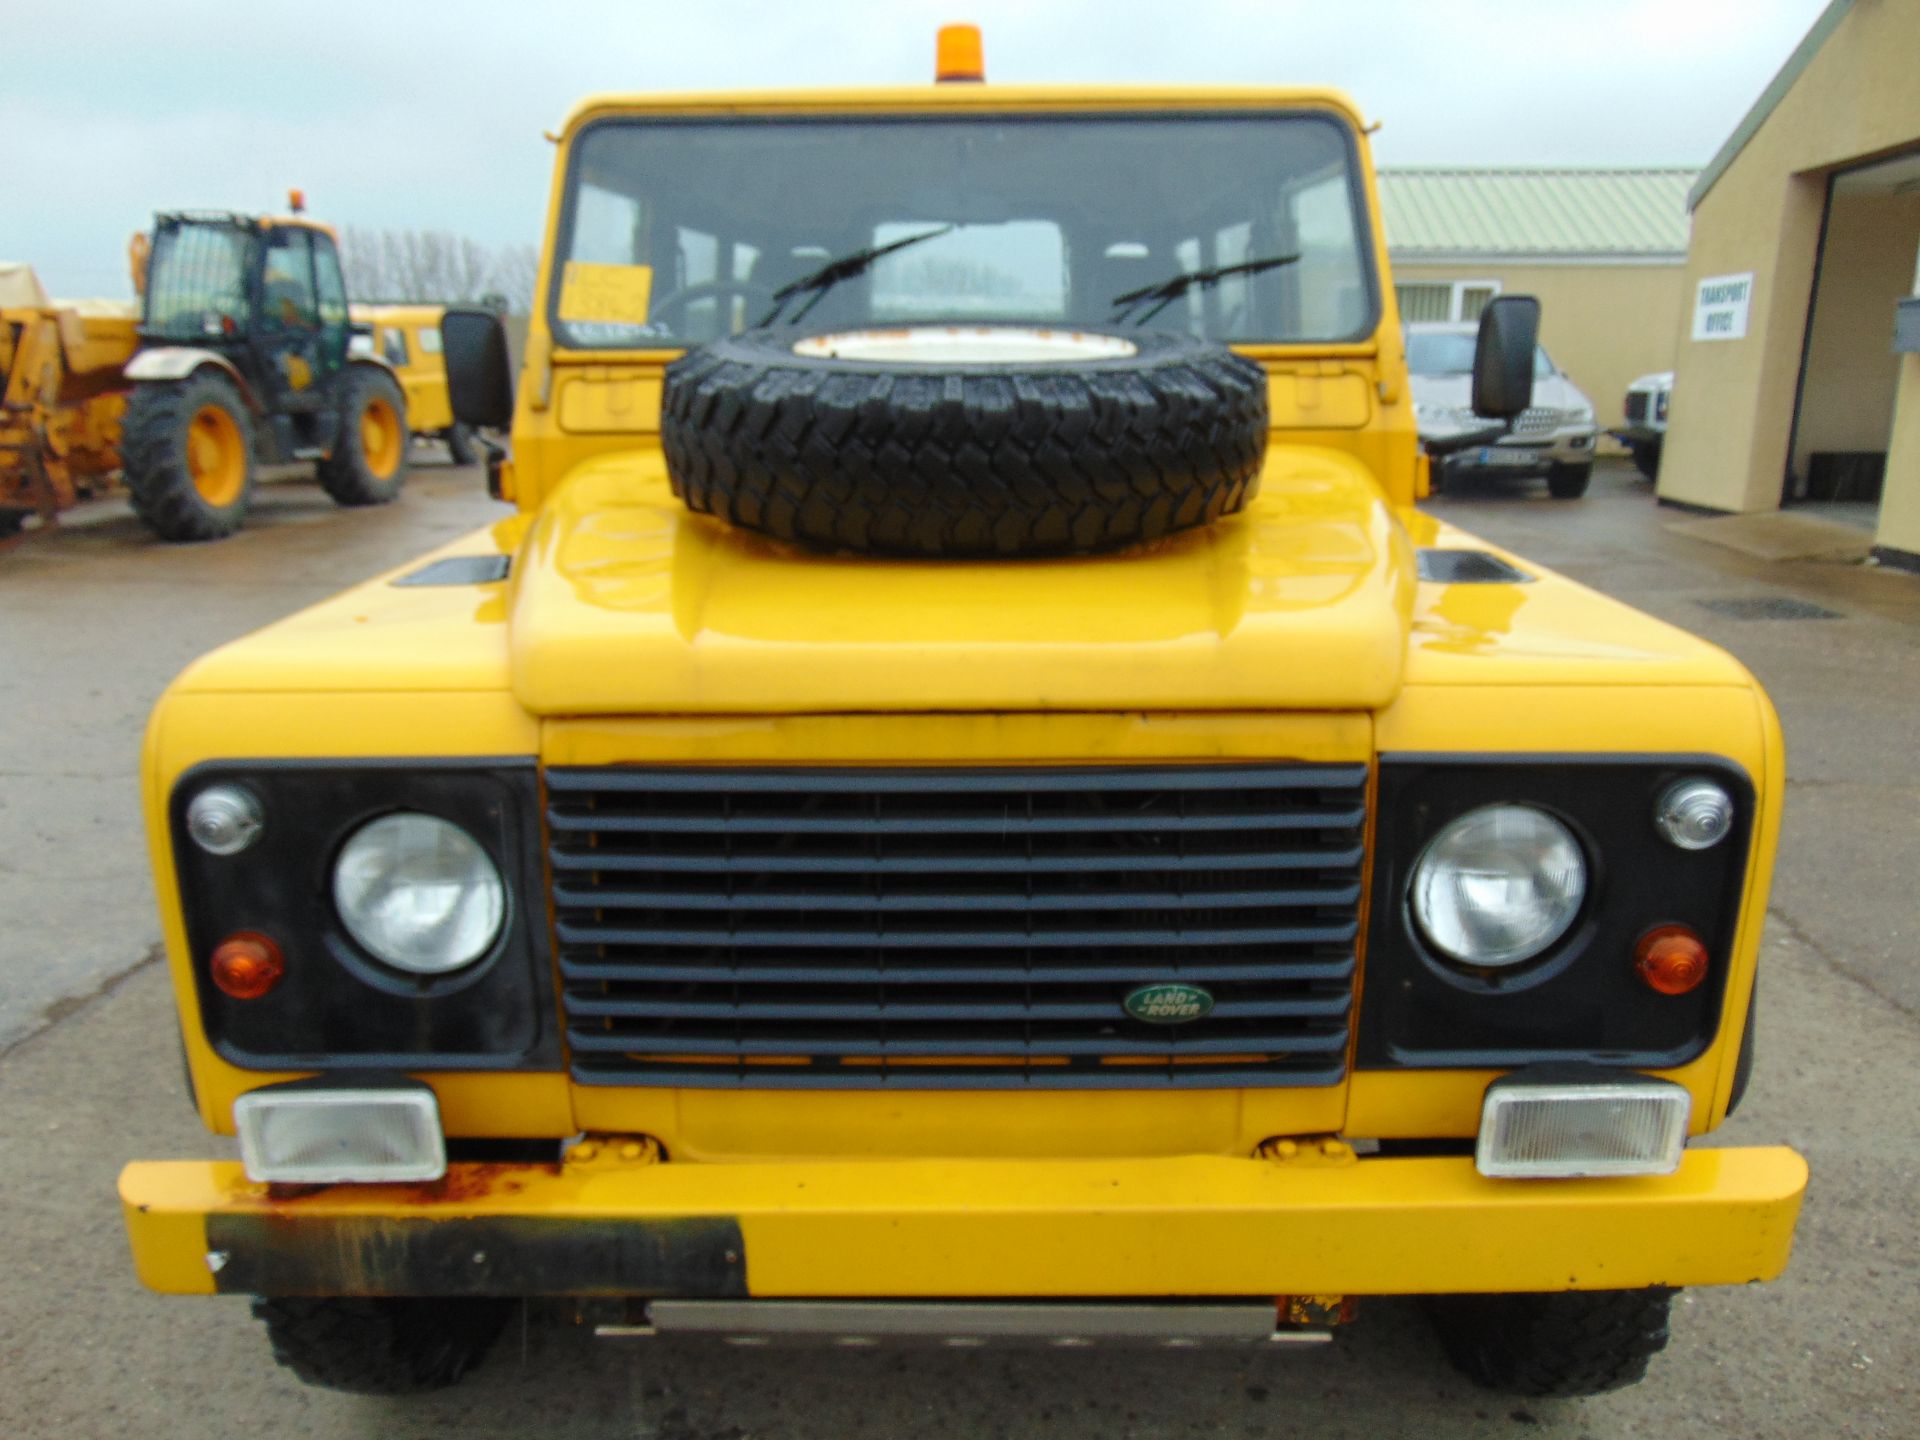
x=382, y=441
x=216, y=456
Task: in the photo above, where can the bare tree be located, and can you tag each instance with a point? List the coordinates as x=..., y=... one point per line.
x=436, y=267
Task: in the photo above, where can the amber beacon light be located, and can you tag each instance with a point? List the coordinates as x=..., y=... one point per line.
x=959, y=55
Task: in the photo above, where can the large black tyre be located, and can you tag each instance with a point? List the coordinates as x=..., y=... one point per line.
x=1568, y=482
x=1646, y=458
x=964, y=460
x=369, y=460
x=385, y=1346
x=12, y=522
x=187, y=456
x=1581, y=1342
x=460, y=447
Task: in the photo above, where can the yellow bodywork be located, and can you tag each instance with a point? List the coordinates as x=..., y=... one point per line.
x=408, y=338
x=61, y=393
x=632, y=631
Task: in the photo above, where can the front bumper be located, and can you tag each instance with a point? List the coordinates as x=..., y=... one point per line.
x=1322, y=1222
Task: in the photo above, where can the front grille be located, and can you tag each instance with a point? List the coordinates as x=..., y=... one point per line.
x=1636, y=406
x=1541, y=421
x=955, y=929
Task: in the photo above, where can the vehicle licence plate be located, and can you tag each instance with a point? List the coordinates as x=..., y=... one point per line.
x=1496, y=455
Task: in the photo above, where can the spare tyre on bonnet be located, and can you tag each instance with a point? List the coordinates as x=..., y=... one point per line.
x=964, y=441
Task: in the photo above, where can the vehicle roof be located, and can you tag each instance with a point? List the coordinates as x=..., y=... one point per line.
x=405, y=312
x=963, y=97
x=259, y=222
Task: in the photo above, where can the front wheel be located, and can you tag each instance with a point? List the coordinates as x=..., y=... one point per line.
x=460, y=447
x=187, y=449
x=1580, y=1342
x=1646, y=458
x=369, y=460
x=1568, y=482
x=385, y=1346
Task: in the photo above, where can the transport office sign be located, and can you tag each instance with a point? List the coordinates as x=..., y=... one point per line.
x=1720, y=308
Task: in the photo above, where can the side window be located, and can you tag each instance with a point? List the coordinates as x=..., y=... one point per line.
x=393, y=344
x=286, y=283
x=332, y=288
x=428, y=339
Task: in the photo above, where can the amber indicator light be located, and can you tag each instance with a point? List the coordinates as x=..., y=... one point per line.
x=959, y=54
x=1671, y=959
x=246, y=966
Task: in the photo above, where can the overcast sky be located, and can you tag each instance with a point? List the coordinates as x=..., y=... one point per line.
x=417, y=113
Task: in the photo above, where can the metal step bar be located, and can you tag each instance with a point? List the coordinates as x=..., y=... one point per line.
x=1065, y=1325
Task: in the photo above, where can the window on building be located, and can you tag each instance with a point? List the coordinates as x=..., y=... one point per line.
x=1453, y=300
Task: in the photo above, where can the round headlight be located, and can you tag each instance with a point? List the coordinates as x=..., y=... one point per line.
x=1498, y=885
x=419, y=893
x=224, y=819
x=1694, y=814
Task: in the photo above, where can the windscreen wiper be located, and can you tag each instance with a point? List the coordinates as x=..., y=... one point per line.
x=1168, y=291
x=834, y=271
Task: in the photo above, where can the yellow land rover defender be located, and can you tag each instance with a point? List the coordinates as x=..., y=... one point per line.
x=965, y=800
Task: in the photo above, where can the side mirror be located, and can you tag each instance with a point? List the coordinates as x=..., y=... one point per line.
x=479, y=371
x=1503, y=357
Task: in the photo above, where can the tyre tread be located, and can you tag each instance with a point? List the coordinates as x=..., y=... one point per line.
x=1564, y=1345
x=381, y=1346
x=964, y=462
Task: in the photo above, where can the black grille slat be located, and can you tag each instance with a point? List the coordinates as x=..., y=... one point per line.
x=799, y=937
x=934, y=902
x=1118, y=779
x=914, y=928
x=895, y=1009
x=603, y=823
x=987, y=1046
x=901, y=973
x=565, y=858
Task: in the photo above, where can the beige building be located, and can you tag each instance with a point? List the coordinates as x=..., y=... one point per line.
x=1604, y=250
x=1796, y=378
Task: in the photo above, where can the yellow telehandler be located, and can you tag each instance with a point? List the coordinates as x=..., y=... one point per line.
x=238, y=355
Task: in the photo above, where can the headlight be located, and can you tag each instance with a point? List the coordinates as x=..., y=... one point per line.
x=419, y=893
x=1498, y=885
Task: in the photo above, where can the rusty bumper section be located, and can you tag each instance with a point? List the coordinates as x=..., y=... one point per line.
x=1191, y=1226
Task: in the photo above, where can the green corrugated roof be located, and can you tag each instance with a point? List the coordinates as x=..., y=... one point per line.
x=1438, y=214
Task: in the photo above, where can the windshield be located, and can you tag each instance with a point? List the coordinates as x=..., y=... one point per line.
x=196, y=280
x=677, y=233
x=1450, y=352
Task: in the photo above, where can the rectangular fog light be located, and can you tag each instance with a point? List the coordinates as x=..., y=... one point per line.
x=308, y=1134
x=1562, y=1131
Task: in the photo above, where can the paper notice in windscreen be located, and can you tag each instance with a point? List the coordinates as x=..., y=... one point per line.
x=609, y=294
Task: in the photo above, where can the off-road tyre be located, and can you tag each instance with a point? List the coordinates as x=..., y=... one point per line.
x=383, y=1346
x=964, y=460
x=159, y=463
x=12, y=522
x=1581, y=1342
x=460, y=447
x=363, y=469
x=1568, y=482
x=1646, y=458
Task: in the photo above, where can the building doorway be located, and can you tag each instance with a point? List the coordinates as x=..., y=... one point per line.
x=1849, y=374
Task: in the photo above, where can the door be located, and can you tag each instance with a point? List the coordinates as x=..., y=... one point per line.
x=287, y=328
x=336, y=330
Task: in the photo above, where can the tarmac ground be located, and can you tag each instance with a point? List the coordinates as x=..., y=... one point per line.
x=95, y=618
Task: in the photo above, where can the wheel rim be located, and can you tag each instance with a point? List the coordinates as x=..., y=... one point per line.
x=216, y=456
x=967, y=345
x=380, y=438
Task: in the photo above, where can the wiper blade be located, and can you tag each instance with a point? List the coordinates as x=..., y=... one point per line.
x=834, y=271
x=1168, y=291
